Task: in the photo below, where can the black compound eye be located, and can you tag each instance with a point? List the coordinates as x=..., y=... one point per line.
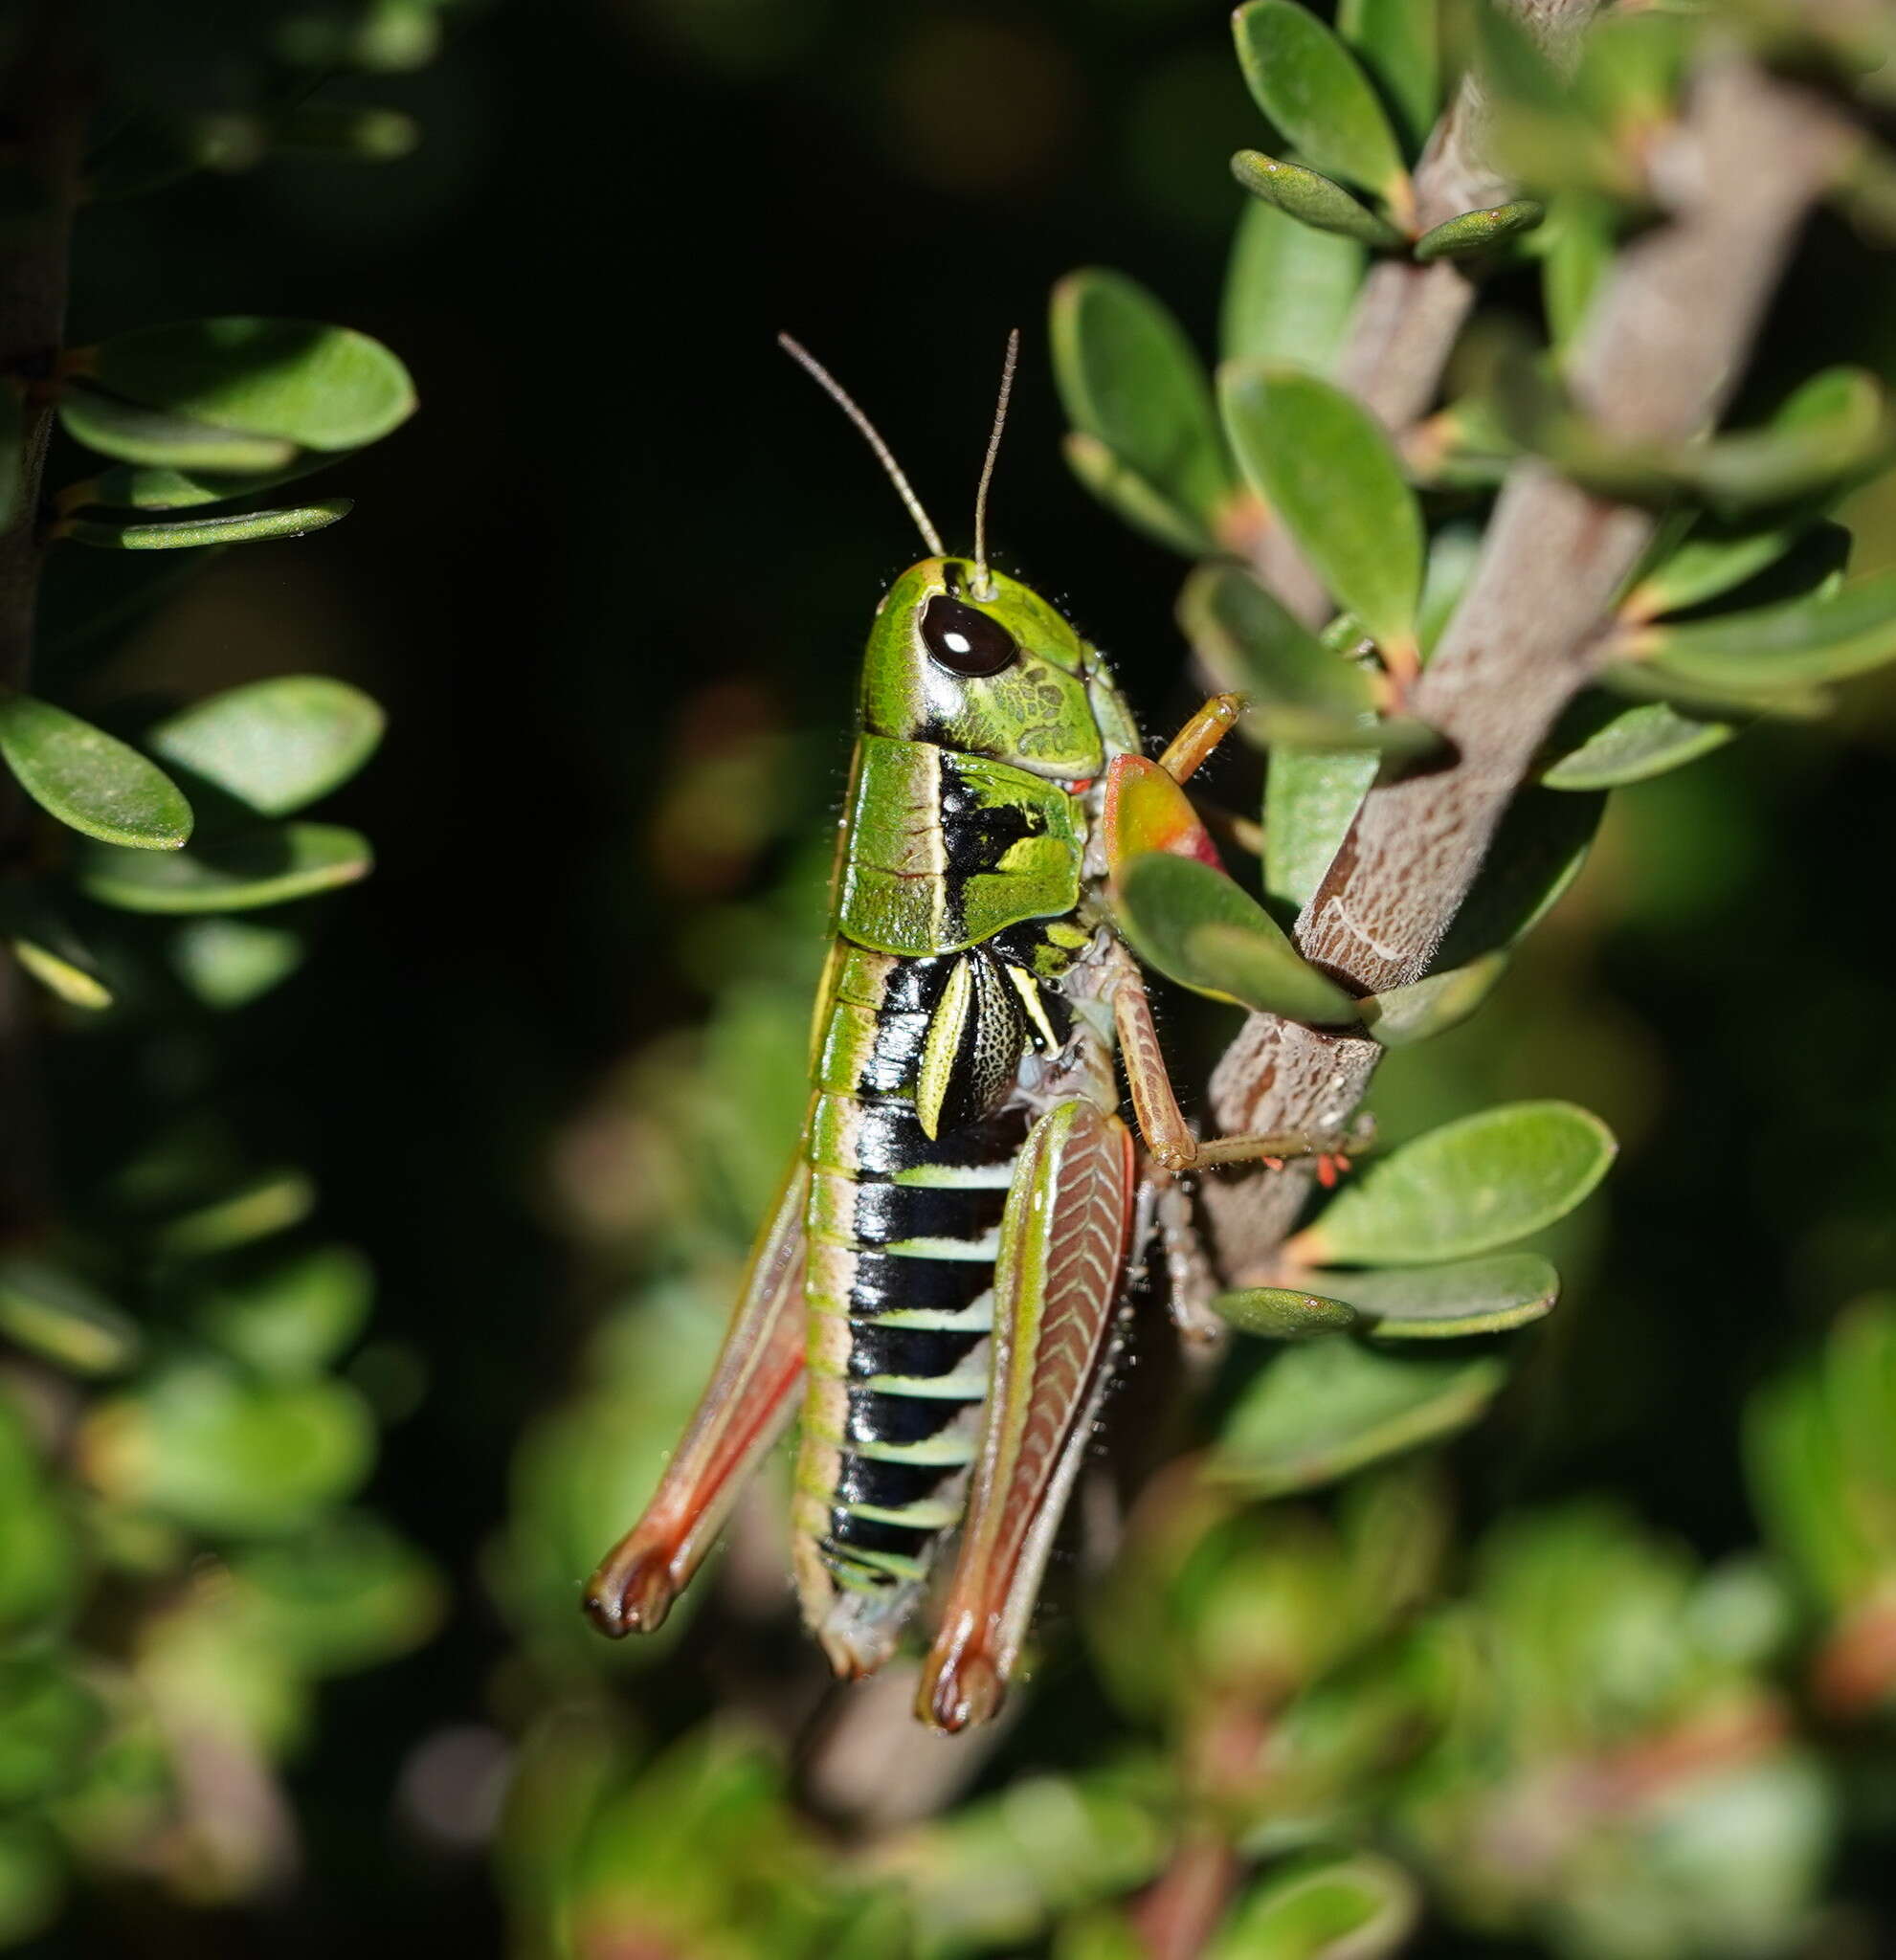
x=965, y=641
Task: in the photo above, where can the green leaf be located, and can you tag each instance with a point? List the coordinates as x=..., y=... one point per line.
x=1716, y=559
x=1198, y=927
x=1129, y=496
x=268, y=1203
x=54, y=1314
x=1326, y=466
x=314, y=386
x=1834, y=430
x=265, y=867
x=1319, y=100
x=1577, y=245
x=1288, y=289
x=134, y=487
x=349, y=1597
x=204, y=1446
x=1475, y=231
x=1130, y=378
x=1465, y=1189
x=63, y=977
x=1454, y=551
x=1283, y=1313
x=89, y=780
x=274, y=744
x=1311, y=797
x=349, y=131
x=228, y=963
x=47, y=947
x=1325, y=1408
x=1536, y=853
x=293, y=1315
x=1827, y=636
x=1312, y=199
x=248, y=528
x=1649, y=680
x=1295, y=689
x=136, y=434
x=1484, y=1296
x=1360, y=1908
x=1611, y=745
x=1398, y=42
x=1432, y=1006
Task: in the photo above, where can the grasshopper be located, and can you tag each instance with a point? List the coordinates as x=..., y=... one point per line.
x=939, y=1288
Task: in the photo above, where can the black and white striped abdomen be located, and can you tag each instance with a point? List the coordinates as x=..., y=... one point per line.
x=901, y=1230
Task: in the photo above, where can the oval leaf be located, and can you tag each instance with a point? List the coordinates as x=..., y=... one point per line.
x=269, y=1203
x=1430, y=1007
x=1326, y=465
x=1361, y=1908
x=1485, y=1295
x=62, y=974
x=1283, y=1313
x=227, y=962
x=1396, y=42
x=250, y=528
x=91, y=781
x=1475, y=231
x=1311, y=797
x=319, y=387
x=1288, y=289
x=1198, y=927
x=137, y=435
x=55, y=1315
x=1465, y=1189
x=1312, y=199
x=1308, y=82
x=137, y=487
x=1629, y=744
x=294, y=1316
x=274, y=744
x=1825, y=636
x=1129, y=496
x=1325, y=1408
x=257, y=868
x=1130, y=378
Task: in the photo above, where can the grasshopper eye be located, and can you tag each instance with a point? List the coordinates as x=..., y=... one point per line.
x=965, y=641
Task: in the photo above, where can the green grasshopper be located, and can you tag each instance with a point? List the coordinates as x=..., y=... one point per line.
x=940, y=1284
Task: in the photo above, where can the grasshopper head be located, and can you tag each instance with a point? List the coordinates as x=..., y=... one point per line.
x=990, y=668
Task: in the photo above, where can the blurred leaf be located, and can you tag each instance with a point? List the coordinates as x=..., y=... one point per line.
x=314, y=386
x=1432, y=1006
x=1283, y=1313
x=1323, y=463
x=1198, y=928
x=1834, y=429
x=40, y=1576
x=1130, y=378
x=1359, y=1907
x=1826, y=637
x=1576, y=244
x=228, y=963
x=1129, y=496
x=275, y=745
x=1295, y=690
x=1318, y=100
x=91, y=781
x=199, y=1444
x=1612, y=746
x=48, y=1720
x=294, y=1314
x=47, y=949
x=32, y=1878
x=1466, y=1188
x=1396, y=42
x=135, y=487
x=272, y=1201
x=250, y=528
x=256, y=868
x=1453, y=553
x=350, y=131
x=1475, y=232
x=1310, y=199
x=1536, y=853
x=1484, y=1296
x=349, y=1596
x=1319, y=1409
x=1716, y=559
x=54, y=1314
x=135, y=434
x=1311, y=797
x=1288, y=290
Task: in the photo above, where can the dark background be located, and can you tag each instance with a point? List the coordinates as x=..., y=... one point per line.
x=623, y=530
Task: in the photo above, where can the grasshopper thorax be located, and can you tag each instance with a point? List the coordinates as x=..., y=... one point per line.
x=987, y=667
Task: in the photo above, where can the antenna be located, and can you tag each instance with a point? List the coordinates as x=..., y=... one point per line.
x=837, y=392
x=983, y=585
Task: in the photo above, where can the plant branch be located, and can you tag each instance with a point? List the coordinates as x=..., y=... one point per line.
x=1664, y=345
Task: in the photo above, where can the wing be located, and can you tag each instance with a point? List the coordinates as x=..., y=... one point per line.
x=1057, y=1286
x=752, y=1394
